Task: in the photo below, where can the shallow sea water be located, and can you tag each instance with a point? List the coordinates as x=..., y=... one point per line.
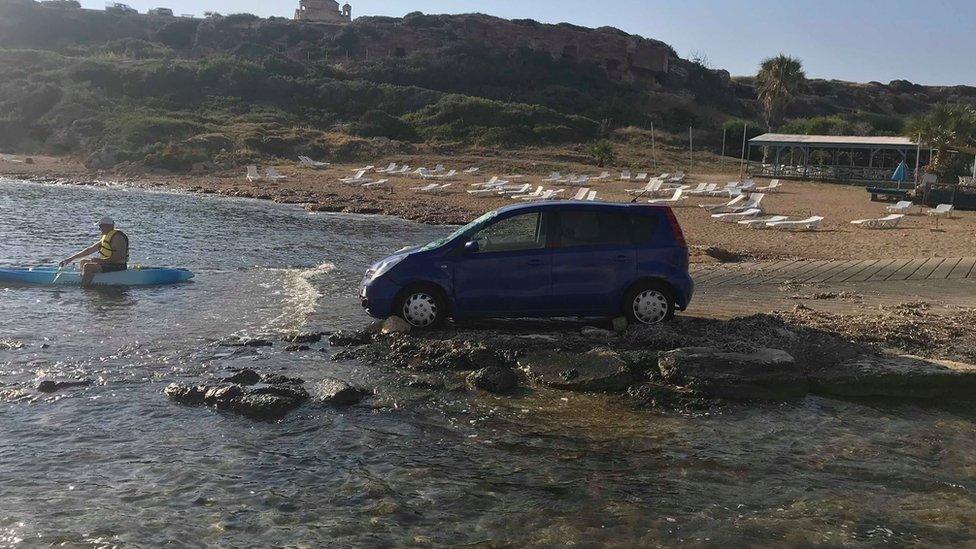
x=117, y=464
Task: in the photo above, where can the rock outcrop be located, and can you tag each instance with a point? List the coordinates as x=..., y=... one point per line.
x=766, y=374
x=599, y=370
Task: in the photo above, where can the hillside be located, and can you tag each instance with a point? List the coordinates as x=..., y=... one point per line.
x=170, y=92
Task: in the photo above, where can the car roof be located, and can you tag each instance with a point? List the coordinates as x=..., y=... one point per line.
x=575, y=204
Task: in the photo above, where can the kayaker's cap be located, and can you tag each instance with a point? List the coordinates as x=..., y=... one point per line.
x=106, y=221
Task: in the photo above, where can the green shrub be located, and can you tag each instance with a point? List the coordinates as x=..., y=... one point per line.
x=380, y=124
x=602, y=152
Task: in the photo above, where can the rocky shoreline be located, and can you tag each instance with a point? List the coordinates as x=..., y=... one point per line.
x=339, y=200
x=689, y=363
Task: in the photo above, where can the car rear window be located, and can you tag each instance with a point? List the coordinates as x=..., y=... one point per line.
x=581, y=228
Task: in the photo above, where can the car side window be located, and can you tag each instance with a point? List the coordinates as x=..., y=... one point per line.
x=520, y=232
x=579, y=228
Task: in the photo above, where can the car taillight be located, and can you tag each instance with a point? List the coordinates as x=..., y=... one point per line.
x=679, y=235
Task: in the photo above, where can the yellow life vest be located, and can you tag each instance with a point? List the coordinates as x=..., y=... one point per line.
x=105, y=245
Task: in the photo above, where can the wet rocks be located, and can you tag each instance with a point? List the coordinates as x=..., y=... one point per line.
x=303, y=338
x=764, y=374
x=493, y=379
x=244, y=377
x=245, y=342
x=52, y=386
x=270, y=397
x=297, y=348
x=344, y=338
x=895, y=376
x=336, y=392
x=10, y=344
x=395, y=325
x=619, y=324
x=599, y=370
x=652, y=394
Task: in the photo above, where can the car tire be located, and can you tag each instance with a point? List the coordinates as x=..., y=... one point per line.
x=649, y=303
x=422, y=307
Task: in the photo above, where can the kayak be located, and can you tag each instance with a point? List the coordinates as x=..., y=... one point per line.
x=135, y=276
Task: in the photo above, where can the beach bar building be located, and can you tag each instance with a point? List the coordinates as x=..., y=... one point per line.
x=854, y=159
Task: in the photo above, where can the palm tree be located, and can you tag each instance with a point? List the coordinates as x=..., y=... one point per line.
x=779, y=80
x=945, y=127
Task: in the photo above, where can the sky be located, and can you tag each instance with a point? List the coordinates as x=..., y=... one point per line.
x=925, y=41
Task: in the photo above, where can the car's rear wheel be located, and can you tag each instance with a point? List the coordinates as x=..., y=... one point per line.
x=649, y=303
x=422, y=307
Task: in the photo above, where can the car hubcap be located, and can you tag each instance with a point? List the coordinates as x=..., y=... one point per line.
x=650, y=306
x=420, y=310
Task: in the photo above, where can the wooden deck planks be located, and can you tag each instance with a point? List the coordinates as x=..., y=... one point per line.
x=926, y=269
x=942, y=271
x=888, y=270
x=835, y=271
x=963, y=269
x=908, y=270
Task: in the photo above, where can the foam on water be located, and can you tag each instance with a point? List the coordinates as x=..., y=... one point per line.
x=301, y=297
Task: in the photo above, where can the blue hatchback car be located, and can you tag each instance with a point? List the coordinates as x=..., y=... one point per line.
x=551, y=259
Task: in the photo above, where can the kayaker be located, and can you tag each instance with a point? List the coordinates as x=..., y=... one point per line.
x=112, y=249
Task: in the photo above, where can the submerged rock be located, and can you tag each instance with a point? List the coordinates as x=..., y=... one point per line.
x=265, y=401
x=765, y=374
x=654, y=394
x=297, y=348
x=599, y=370
x=895, y=376
x=619, y=324
x=245, y=342
x=336, y=392
x=303, y=338
x=494, y=379
x=51, y=386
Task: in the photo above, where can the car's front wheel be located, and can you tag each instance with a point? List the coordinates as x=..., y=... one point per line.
x=422, y=307
x=649, y=303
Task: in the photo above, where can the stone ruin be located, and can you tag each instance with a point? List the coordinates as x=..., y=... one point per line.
x=323, y=11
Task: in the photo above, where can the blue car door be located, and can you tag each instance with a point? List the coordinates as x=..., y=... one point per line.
x=593, y=259
x=509, y=274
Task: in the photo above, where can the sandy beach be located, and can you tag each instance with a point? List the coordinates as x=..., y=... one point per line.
x=919, y=236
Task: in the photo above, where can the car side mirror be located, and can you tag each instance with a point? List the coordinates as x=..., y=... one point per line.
x=471, y=247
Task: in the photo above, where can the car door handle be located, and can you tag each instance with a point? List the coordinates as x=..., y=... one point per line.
x=535, y=262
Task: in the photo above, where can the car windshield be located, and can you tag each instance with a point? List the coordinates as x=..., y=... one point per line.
x=470, y=228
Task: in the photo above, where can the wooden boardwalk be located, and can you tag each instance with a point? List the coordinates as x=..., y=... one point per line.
x=834, y=272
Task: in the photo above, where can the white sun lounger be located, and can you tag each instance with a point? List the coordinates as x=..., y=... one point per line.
x=641, y=176
x=513, y=189
x=553, y=176
x=602, y=176
x=10, y=158
x=677, y=197
x=402, y=170
x=888, y=222
x=471, y=170
x=652, y=186
x=581, y=194
x=356, y=179
x=902, y=207
x=677, y=177
x=273, y=175
x=942, y=210
x=379, y=184
x=719, y=208
x=591, y=196
x=754, y=200
x=733, y=217
x=442, y=176
x=252, y=174
x=314, y=164
x=773, y=187
x=760, y=222
x=432, y=188
x=808, y=224
x=391, y=167
x=625, y=175
x=537, y=192
x=548, y=194
x=577, y=181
